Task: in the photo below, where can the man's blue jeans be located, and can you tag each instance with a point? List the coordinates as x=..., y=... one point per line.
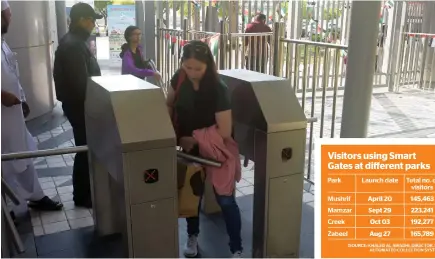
x=233, y=221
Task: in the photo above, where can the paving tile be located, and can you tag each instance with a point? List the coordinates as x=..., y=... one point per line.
x=70, y=163
x=36, y=221
x=45, y=179
x=57, y=165
x=55, y=242
x=68, y=205
x=56, y=227
x=33, y=213
x=52, y=217
x=38, y=231
x=50, y=192
x=239, y=194
x=62, y=178
x=61, y=182
x=243, y=183
x=47, y=185
x=81, y=223
x=41, y=166
x=77, y=213
x=307, y=197
x=248, y=174
x=246, y=190
x=65, y=189
x=250, y=179
x=66, y=197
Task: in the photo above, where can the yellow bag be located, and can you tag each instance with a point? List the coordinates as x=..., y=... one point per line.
x=191, y=179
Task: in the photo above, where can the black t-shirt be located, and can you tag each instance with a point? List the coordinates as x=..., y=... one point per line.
x=197, y=109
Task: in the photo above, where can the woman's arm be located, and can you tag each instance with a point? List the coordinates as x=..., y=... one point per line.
x=130, y=68
x=170, y=100
x=224, y=123
x=223, y=115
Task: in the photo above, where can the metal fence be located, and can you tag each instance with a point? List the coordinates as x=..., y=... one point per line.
x=316, y=70
x=416, y=66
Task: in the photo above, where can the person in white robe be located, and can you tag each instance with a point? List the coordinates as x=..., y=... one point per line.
x=20, y=175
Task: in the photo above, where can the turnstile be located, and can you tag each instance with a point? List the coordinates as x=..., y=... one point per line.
x=132, y=152
x=270, y=127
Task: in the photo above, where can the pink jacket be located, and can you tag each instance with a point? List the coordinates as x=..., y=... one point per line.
x=212, y=145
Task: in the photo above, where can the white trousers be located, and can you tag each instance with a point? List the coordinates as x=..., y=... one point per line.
x=26, y=187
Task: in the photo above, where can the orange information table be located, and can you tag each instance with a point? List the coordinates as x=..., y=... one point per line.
x=377, y=201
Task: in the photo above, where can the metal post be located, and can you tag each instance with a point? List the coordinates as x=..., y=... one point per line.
x=185, y=29
x=61, y=22
x=223, y=45
x=277, y=48
x=396, y=34
x=159, y=38
x=364, y=28
x=428, y=71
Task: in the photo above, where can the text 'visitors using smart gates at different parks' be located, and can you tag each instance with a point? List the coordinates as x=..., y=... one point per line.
x=376, y=199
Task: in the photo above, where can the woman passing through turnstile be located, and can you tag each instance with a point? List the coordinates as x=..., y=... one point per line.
x=133, y=62
x=199, y=104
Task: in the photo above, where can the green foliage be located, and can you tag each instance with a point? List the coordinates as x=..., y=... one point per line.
x=331, y=13
x=101, y=6
x=308, y=11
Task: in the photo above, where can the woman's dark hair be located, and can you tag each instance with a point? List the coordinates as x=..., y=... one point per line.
x=201, y=51
x=127, y=35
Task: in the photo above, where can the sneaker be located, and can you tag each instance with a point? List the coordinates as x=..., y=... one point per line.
x=191, y=248
x=237, y=254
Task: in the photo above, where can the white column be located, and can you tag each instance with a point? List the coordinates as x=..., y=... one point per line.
x=62, y=27
x=364, y=29
x=150, y=31
x=29, y=36
x=140, y=19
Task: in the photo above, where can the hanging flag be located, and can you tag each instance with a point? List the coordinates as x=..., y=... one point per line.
x=196, y=4
x=214, y=45
x=389, y=4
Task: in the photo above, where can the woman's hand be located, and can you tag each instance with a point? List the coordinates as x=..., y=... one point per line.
x=9, y=99
x=188, y=143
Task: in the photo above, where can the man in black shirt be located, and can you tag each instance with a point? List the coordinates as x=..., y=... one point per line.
x=73, y=65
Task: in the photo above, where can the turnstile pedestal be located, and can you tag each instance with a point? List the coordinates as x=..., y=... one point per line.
x=132, y=156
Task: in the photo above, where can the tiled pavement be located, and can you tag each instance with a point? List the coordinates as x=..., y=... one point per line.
x=407, y=114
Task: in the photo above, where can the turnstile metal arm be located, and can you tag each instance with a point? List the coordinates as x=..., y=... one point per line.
x=71, y=150
x=11, y=227
x=44, y=153
x=8, y=192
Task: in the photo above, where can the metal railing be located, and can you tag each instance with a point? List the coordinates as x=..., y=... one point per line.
x=71, y=150
x=416, y=65
x=313, y=69
x=252, y=51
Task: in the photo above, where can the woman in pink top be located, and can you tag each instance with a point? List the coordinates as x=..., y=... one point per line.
x=200, y=100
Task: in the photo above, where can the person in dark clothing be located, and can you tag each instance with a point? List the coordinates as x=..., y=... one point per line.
x=73, y=65
x=133, y=62
x=256, y=58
